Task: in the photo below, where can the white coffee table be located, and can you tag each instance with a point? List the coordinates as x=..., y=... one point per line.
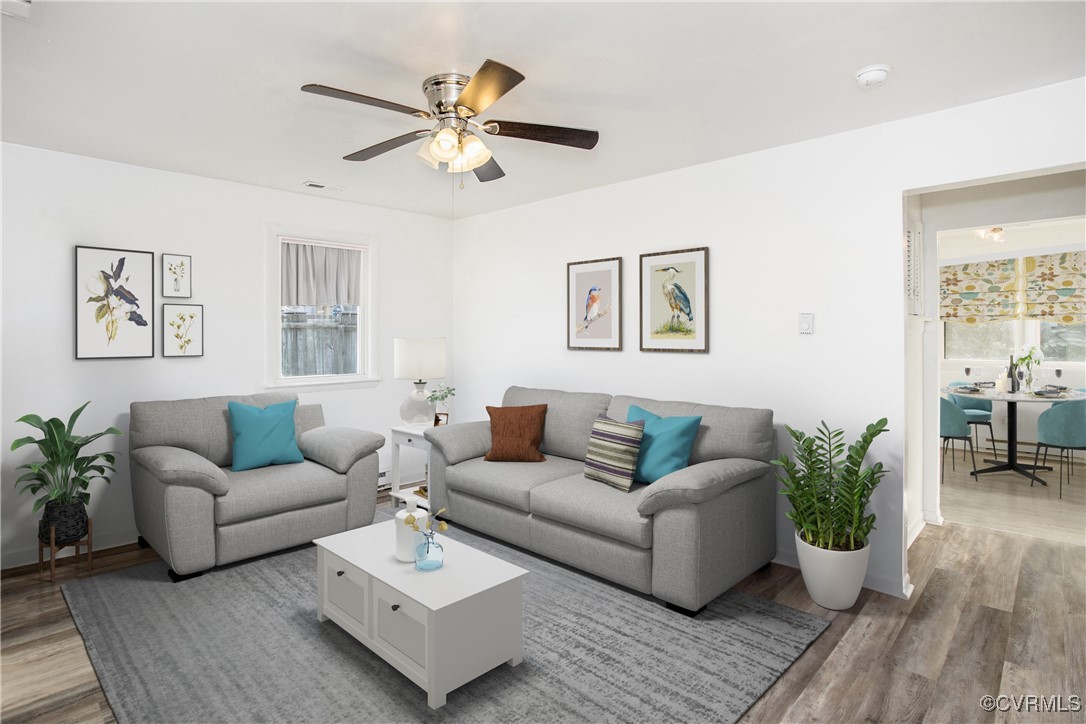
x=440, y=629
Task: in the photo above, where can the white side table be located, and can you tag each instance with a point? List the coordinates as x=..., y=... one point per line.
x=407, y=436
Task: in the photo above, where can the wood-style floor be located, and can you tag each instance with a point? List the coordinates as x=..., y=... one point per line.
x=993, y=613
x=1005, y=501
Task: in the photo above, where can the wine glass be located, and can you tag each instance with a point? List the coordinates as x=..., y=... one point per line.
x=967, y=370
x=1059, y=373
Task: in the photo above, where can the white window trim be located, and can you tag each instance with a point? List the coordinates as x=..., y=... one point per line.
x=274, y=236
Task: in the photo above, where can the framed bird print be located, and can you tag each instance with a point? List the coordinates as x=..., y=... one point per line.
x=594, y=304
x=675, y=301
x=114, y=291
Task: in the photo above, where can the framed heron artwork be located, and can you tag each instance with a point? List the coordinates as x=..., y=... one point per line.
x=675, y=301
x=594, y=304
x=114, y=293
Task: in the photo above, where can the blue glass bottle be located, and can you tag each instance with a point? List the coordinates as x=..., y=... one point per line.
x=429, y=555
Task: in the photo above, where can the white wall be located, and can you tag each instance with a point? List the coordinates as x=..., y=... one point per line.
x=810, y=227
x=54, y=201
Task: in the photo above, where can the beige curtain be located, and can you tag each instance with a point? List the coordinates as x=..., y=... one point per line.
x=1055, y=289
x=985, y=291
x=317, y=275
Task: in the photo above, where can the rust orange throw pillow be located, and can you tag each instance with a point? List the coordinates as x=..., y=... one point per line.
x=516, y=433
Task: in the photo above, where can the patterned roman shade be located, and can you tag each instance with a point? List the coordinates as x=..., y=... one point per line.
x=985, y=291
x=1055, y=289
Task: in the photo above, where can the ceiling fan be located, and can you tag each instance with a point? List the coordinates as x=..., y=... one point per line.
x=455, y=101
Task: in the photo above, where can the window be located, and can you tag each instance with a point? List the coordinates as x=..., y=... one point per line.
x=990, y=341
x=322, y=325
x=1063, y=342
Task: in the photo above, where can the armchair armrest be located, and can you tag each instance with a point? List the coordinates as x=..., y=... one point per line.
x=338, y=448
x=178, y=466
x=698, y=483
x=461, y=442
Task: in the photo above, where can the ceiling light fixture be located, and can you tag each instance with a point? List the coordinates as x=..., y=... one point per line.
x=872, y=75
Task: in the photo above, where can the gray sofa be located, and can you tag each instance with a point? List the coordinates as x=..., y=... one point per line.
x=685, y=539
x=197, y=513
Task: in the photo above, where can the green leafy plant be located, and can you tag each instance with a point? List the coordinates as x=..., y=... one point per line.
x=829, y=487
x=441, y=394
x=63, y=475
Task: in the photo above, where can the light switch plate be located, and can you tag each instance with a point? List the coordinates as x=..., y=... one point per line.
x=806, y=323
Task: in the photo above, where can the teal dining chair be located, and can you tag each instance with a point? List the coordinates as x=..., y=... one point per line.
x=1044, y=460
x=953, y=425
x=1064, y=427
x=978, y=411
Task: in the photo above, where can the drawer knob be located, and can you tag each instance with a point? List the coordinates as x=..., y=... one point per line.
x=410, y=440
x=395, y=607
x=339, y=573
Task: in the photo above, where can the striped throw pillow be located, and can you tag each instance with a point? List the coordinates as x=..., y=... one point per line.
x=613, y=448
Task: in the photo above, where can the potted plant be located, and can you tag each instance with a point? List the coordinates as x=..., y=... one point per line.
x=61, y=478
x=829, y=489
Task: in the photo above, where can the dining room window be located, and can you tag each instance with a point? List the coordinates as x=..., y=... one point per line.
x=989, y=341
x=1063, y=342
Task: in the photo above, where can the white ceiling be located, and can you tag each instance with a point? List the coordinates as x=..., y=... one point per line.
x=213, y=88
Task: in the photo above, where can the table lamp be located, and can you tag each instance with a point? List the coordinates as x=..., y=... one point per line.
x=418, y=359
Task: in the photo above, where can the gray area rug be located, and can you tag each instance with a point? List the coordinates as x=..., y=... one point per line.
x=243, y=644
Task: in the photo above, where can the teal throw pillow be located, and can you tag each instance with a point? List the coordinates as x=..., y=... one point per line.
x=666, y=444
x=263, y=437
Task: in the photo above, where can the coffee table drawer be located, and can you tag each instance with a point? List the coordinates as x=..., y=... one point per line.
x=400, y=623
x=348, y=589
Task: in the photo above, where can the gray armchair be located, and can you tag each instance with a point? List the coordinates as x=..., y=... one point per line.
x=197, y=513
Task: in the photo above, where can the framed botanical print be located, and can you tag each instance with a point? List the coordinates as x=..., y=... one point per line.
x=594, y=304
x=114, y=294
x=675, y=301
x=182, y=330
x=177, y=275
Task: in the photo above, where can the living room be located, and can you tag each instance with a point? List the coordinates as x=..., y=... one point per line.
x=809, y=222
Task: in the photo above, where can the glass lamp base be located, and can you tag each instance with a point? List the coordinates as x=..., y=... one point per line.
x=416, y=408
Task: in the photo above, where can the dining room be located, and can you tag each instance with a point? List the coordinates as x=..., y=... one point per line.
x=1012, y=377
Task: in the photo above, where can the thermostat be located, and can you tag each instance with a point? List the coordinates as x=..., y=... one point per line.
x=806, y=323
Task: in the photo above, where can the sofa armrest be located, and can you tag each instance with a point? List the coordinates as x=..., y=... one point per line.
x=698, y=483
x=461, y=442
x=178, y=466
x=339, y=448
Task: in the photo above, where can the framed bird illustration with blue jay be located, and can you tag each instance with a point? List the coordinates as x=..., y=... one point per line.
x=675, y=301
x=594, y=304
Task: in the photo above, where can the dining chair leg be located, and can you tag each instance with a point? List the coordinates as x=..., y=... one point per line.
x=942, y=462
x=1036, y=456
x=973, y=457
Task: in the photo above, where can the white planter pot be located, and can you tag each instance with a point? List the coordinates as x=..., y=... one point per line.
x=833, y=578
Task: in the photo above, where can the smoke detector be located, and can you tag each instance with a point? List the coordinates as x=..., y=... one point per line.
x=872, y=75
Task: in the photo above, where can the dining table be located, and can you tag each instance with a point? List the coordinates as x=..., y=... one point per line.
x=1012, y=399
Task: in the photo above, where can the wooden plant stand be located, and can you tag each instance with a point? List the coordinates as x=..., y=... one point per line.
x=53, y=549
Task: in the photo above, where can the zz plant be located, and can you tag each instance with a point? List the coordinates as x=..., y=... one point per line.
x=829, y=487
x=63, y=475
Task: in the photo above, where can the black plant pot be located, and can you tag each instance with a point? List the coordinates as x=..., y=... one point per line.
x=70, y=520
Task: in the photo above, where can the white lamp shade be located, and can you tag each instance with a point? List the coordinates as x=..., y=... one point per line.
x=446, y=145
x=424, y=155
x=418, y=358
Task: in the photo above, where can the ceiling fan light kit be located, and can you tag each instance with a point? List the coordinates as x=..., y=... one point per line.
x=455, y=101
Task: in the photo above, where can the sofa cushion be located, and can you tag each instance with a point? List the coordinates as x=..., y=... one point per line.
x=595, y=507
x=569, y=417
x=515, y=434
x=507, y=483
x=725, y=432
x=263, y=436
x=666, y=444
x=613, y=449
x=266, y=491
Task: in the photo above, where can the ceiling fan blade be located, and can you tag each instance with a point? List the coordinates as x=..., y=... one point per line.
x=491, y=82
x=489, y=171
x=575, y=137
x=323, y=90
x=367, y=153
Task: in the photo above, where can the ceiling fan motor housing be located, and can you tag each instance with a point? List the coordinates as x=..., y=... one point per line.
x=442, y=92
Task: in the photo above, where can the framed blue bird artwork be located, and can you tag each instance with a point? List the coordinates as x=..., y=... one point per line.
x=593, y=304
